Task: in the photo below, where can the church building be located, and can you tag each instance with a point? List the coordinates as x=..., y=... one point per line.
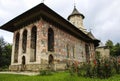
x=42, y=38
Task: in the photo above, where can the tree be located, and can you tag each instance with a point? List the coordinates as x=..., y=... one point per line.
x=117, y=49
x=2, y=44
x=109, y=44
x=114, y=49
x=5, y=53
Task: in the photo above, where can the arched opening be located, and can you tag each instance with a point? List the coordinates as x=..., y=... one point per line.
x=16, y=47
x=51, y=59
x=33, y=44
x=24, y=41
x=23, y=60
x=50, y=39
x=23, y=63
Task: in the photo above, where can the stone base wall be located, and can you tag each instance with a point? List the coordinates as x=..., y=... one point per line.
x=37, y=67
x=61, y=66
x=28, y=67
x=15, y=68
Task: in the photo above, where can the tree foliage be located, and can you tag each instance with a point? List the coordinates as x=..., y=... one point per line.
x=114, y=49
x=109, y=43
x=5, y=53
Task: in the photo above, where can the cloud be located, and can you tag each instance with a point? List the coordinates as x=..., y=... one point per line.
x=31, y=3
x=107, y=22
x=8, y=36
x=10, y=9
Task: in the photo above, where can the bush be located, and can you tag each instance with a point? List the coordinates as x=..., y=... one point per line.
x=81, y=70
x=46, y=72
x=72, y=70
x=98, y=68
x=116, y=65
x=4, y=68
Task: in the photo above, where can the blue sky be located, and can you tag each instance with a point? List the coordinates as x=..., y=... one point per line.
x=102, y=16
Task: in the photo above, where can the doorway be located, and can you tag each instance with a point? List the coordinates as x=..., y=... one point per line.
x=51, y=59
x=23, y=63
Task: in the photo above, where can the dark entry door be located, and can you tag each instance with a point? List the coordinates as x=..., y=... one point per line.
x=51, y=59
x=23, y=63
x=23, y=60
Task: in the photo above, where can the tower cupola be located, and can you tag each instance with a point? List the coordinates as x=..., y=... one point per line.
x=76, y=18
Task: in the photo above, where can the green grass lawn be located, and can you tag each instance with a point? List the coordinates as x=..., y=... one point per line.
x=60, y=76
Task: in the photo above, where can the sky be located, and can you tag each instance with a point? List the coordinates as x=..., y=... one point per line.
x=102, y=17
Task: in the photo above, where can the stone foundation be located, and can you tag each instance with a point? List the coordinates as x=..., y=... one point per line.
x=37, y=67
x=15, y=67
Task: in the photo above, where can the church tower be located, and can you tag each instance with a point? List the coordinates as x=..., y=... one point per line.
x=76, y=18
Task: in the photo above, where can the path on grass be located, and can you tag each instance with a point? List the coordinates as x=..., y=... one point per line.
x=21, y=73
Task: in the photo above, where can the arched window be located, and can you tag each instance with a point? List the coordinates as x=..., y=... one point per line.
x=24, y=41
x=16, y=47
x=50, y=39
x=33, y=44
